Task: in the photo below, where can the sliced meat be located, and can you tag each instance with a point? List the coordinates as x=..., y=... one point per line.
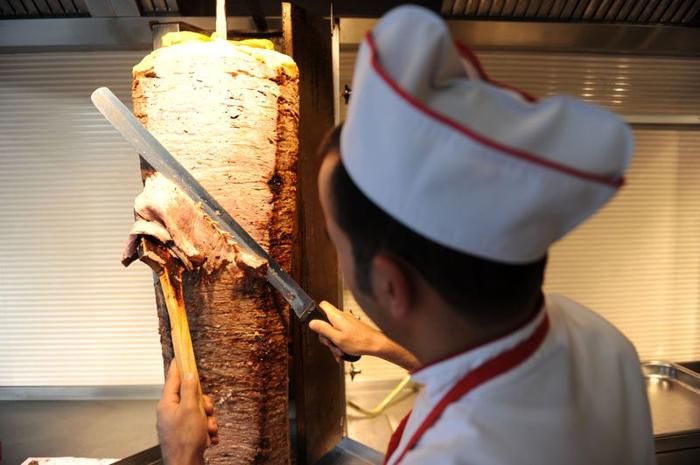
x=140, y=228
x=169, y=216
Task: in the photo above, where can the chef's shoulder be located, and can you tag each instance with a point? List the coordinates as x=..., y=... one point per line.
x=585, y=330
x=495, y=424
x=452, y=451
x=464, y=447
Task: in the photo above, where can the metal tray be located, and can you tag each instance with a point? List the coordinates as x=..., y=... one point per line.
x=674, y=396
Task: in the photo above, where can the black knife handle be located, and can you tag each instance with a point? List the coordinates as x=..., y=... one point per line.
x=318, y=314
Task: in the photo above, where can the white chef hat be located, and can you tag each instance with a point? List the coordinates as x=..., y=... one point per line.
x=466, y=162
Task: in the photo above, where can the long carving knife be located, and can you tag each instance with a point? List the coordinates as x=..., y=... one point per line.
x=161, y=160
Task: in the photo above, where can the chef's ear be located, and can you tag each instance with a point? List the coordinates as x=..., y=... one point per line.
x=391, y=286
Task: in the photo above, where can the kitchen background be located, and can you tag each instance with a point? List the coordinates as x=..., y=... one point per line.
x=72, y=315
x=75, y=324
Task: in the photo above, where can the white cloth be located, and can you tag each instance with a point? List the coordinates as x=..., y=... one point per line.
x=579, y=399
x=67, y=461
x=464, y=161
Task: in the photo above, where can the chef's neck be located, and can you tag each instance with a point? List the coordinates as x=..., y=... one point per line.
x=439, y=330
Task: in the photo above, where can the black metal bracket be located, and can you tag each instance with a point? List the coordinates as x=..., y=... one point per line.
x=258, y=15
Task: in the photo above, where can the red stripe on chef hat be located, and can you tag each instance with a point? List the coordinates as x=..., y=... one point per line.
x=536, y=159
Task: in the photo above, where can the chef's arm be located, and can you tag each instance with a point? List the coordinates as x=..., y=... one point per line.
x=346, y=333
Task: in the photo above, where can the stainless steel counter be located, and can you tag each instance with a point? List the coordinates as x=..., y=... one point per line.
x=674, y=397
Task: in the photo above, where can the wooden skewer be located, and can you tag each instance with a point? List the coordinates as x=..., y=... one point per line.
x=221, y=32
x=180, y=329
x=170, y=276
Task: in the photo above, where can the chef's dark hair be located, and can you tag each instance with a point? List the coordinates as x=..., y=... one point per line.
x=489, y=291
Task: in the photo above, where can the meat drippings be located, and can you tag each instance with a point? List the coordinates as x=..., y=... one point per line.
x=164, y=213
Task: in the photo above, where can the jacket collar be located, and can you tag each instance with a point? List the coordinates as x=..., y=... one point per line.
x=439, y=376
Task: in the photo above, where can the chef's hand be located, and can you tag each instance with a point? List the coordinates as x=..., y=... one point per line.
x=346, y=333
x=184, y=431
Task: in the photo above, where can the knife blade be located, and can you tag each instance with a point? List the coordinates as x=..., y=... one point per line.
x=121, y=118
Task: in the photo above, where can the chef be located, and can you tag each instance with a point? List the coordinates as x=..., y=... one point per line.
x=442, y=193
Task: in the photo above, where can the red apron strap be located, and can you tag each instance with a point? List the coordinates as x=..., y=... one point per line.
x=491, y=369
x=396, y=438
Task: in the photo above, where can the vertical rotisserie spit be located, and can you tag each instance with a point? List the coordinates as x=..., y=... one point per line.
x=229, y=113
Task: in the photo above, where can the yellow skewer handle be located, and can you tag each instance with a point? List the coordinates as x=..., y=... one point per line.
x=180, y=331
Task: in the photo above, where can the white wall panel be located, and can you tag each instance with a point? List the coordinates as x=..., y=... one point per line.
x=626, y=84
x=637, y=262
x=70, y=314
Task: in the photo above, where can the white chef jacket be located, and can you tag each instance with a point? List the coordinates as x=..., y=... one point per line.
x=580, y=398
